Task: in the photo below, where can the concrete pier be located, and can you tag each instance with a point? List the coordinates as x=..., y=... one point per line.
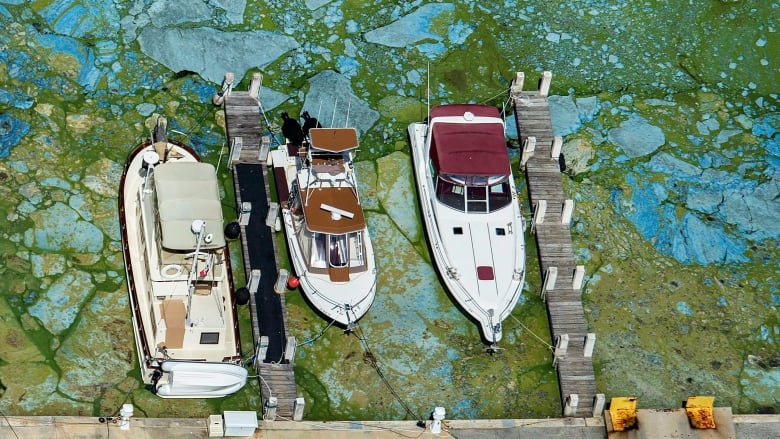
x=71, y=427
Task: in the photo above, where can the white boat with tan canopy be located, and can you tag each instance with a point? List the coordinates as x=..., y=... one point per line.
x=178, y=272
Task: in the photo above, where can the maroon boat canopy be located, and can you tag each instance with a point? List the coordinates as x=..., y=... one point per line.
x=469, y=149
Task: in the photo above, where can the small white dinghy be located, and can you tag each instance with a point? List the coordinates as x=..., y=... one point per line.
x=188, y=379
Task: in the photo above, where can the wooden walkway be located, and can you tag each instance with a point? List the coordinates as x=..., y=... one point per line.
x=273, y=350
x=562, y=278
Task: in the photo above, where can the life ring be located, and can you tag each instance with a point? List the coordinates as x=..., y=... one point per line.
x=171, y=271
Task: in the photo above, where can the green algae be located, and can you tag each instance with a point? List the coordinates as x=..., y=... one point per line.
x=632, y=292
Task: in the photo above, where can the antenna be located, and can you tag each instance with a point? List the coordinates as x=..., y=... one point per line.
x=333, y=119
x=319, y=110
x=428, y=90
x=349, y=105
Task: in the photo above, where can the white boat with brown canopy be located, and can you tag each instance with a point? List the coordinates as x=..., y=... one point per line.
x=178, y=272
x=326, y=231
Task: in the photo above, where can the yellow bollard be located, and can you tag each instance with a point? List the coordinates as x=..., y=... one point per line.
x=622, y=411
x=700, y=411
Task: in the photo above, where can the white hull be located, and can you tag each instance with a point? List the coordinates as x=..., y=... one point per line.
x=457, y=256
x=201, y=380
x=195, y=329
x=346, y=297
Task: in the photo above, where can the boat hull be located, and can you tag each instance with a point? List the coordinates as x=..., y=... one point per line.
x=459, y=257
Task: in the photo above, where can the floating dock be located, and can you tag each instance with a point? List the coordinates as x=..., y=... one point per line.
x=248, y=153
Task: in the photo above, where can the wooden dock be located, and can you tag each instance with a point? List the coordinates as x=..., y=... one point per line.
x=247, y=160
x=562, y=279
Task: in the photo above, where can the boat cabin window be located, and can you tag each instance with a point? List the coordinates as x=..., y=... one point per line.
x=473, y=193
x=339, y=251
x=329, y=250
x=209, y=338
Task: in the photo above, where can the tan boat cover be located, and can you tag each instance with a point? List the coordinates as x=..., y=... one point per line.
x=188, y=191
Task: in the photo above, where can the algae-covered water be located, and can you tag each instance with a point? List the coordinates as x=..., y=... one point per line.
x=672, y=139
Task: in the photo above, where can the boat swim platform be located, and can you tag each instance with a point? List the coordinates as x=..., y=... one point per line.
x=269, y=319
x=72, y=427
x=562, y=279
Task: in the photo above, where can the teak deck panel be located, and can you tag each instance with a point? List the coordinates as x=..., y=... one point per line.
x=243, y=119
x=564, y=303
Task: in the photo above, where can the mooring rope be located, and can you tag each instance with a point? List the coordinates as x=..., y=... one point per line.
x=371, y=359
x=547, y=345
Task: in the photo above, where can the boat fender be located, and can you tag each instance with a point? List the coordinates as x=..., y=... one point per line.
x=171, y=271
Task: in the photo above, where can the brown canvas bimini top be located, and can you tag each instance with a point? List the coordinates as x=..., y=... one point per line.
x=462, y=148
x=320, y=220
x=334, y=139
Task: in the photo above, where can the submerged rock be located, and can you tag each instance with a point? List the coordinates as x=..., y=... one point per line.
x=210, y=52
x=100, y=349
x=412, y=28
x=59, y=228
x=637, y=137
x=11, y=132
x=61, y=302
x=331, y=100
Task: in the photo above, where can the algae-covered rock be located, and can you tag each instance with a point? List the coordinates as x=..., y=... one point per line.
x=99, y=350
x=15, y=346
x=61, y=302
x=398, y=194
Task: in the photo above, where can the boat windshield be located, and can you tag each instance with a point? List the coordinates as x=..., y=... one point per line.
x=474, y=194
x=339, y=251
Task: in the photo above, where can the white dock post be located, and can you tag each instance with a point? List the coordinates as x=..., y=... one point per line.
x=598, y=404
x=579, y=275
x=269, y=410
x=237, y=144
x=227, y=87
x=541, y=209
x=528, y=150
x=572, y=401
x=262, y=349
x=568, y=208
x=544, y=83
x=298, y=407
x=590, y=342
x=280, y=286
x=561, y=346
x=254, y=280
x=550, y=276
x=265, y=147
x=289, y=350
x=517, y=85
x=254, y=86
x=246, y=211
x=557, y=144
x=273, y=212
x=438, y=416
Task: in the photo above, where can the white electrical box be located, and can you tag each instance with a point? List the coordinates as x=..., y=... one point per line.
x=240, y=423
x=216, y=428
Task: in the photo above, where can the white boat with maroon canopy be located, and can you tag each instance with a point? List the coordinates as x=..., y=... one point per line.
x=326, y=231
x=469, y=203
x=178, y=272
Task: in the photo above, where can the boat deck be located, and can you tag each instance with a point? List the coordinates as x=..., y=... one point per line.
x=576, y=375
x=243, y=126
